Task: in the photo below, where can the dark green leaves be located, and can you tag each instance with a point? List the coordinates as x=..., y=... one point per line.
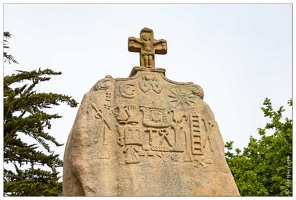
x=30, y=167
x=6, y=56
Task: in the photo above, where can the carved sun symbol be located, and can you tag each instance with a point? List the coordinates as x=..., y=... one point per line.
x=179, y=97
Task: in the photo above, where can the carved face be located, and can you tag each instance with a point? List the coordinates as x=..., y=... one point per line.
x=145, y=36
x=156, y=116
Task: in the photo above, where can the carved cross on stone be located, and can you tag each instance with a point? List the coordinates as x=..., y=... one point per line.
x=147, y=46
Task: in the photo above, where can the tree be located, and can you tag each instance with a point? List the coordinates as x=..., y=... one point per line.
x=6, y=56
x=25, y=116
x=264, y=168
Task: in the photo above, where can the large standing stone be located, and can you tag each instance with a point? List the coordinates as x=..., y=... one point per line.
x=146, y=135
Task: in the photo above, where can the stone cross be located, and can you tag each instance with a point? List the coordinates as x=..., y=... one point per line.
x=147, y=46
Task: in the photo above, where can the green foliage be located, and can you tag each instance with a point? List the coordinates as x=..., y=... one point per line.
x=25, y=116
x=264, y=168
x=6, y=56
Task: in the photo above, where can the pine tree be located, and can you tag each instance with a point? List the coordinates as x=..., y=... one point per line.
x=264, y=168
x=30, y=167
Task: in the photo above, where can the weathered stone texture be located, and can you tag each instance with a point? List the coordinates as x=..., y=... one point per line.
x=145, y=135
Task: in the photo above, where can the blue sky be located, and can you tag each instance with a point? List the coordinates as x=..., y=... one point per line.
x=238, y=53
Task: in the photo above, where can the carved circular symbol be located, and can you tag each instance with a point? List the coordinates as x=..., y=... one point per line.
x=128, y=91
x=181, y=98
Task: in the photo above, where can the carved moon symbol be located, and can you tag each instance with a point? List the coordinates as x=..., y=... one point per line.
x=128, y=91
